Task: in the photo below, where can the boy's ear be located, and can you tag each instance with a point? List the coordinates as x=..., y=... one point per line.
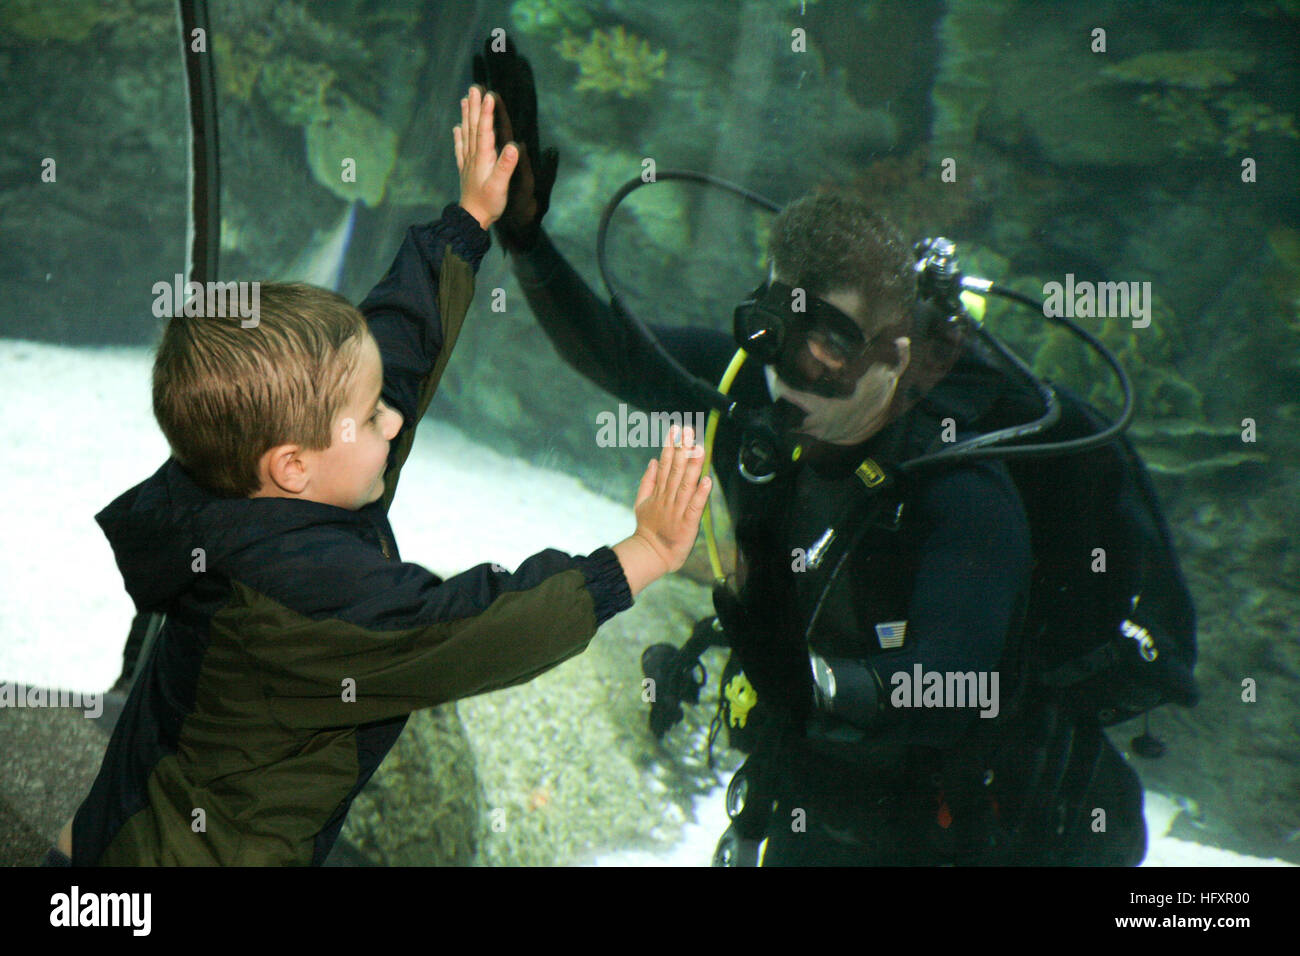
x=284, y=467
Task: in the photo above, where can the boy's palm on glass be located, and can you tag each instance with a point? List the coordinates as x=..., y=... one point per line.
x=484, y=176
x=671, y=500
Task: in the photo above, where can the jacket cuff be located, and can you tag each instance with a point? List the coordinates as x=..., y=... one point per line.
x=467, y=238
x=606, y=583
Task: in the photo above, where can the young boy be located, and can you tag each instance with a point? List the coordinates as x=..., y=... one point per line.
x=296, y=641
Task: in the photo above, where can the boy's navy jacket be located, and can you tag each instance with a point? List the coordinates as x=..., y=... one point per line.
x=297, y=641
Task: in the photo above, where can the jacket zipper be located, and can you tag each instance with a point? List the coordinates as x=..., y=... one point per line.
x=382, y=538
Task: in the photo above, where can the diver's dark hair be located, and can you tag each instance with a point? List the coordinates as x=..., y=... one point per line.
x=831, y=240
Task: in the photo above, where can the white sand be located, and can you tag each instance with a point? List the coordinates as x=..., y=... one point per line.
x=82, y=432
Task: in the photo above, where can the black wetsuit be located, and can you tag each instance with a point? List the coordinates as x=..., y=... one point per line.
x=952, y=579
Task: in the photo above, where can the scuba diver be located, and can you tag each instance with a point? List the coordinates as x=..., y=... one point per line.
x=888, y=623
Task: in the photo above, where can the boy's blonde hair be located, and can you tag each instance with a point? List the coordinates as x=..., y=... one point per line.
x=224, y=395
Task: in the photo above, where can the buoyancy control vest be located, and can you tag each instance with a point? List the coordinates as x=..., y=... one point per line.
x=1108, y=634
x=1110, y=624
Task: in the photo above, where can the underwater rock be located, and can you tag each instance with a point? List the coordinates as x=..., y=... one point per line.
x=422, y=806
x=348, y=131
x=1282, y=278
x=568, y=764
x=1071, y=114
x=1186, y=447
x=1198, y=119
x=906, y=190
x=69, y=21
x=1083, y=108
x=110, y=108
x=972, y=37
x=410, y=185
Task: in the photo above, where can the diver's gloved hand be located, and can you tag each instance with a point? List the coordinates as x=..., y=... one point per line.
x=509, y=77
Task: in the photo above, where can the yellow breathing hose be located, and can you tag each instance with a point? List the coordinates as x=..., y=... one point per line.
x=710, y=432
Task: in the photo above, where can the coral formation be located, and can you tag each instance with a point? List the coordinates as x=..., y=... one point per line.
x=613, y=62
x=400, y=14
x=295, y=89
x=289, y=57
x=1183, y=99
x=1149, y=355
x=239, y=63
x=297, y=30
x=1243, y=116
x=1188, y=69
x=548, y=16
x=1146, y=354
x=1228, y=121
x=1193, y=124
x=1170, y=430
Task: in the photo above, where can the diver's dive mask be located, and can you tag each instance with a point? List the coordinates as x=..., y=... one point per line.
x=813, y=346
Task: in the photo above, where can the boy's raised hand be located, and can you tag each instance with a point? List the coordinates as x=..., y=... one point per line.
x=484, y=176
x=671, y=499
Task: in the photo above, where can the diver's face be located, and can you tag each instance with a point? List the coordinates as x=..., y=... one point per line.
x=350, y=473
x=867, y=384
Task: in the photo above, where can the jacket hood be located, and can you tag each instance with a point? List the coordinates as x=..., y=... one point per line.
x=157, y=529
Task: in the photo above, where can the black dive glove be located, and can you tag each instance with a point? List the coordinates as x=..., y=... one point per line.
x=508, y=76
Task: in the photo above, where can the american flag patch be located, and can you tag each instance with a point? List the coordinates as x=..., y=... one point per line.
x=891, y=634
